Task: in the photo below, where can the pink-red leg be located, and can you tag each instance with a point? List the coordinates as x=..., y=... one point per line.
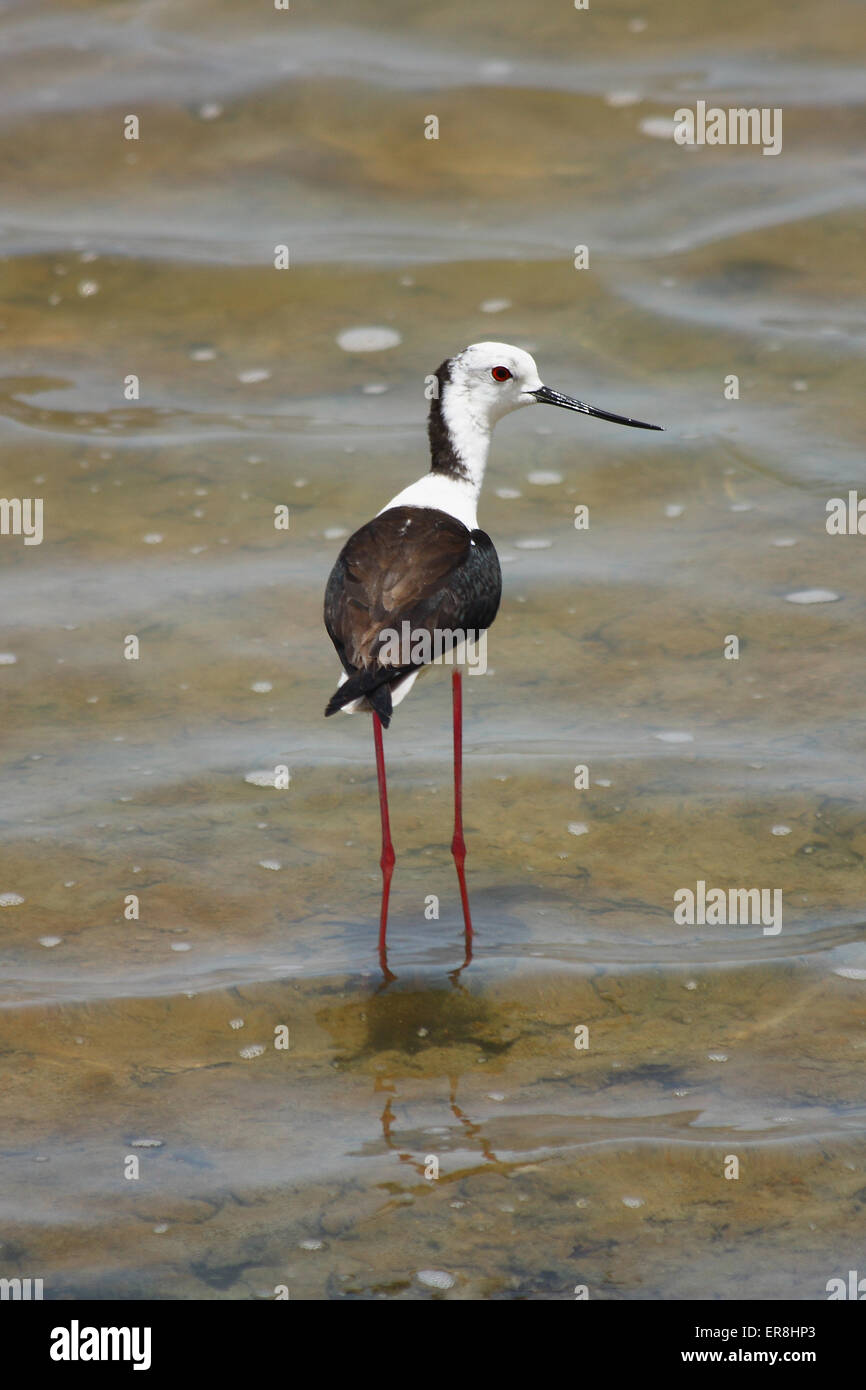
x=386, y=863
x=458, y=844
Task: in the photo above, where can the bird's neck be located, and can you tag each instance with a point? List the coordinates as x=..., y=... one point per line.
x=459, y=439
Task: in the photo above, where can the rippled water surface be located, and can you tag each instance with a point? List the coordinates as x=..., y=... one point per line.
x=304, y=1166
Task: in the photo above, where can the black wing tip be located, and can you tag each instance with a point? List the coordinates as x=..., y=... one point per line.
x=363, y=686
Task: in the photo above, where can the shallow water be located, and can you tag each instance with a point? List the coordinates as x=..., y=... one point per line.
x=558, y=1167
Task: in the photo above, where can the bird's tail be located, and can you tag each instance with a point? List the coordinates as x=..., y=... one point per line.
x=372, y=686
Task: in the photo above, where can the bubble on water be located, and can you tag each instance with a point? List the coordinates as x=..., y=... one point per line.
x=602, y=782
x=153, y=538
x=266, y=778
x=621, y=98
x=368, y=338
x=674, y=509
x=783, y=542
x=495, y=67
x=87, y=287
x=659, y=127
x=253, y=375
x=181, y=946
x=311, y=1245
x=494, y=306
x=210, y=110
x=850, y=972
x=236, y=1023
x=543, y=478
x=270, y=864
x=633, y=1201
x=335, y=533
x=533, y=543
x=496, y=1095
x=780, y=830
x=717, y=1056
x=161, y=1229
x=435, y=1279
x=374, y=388
x=254, y=1050
x=742, y=507
x=50, y=941
x=577, y=827
x=675, y=736
x=147, y=1143
x=203, y=354
x=8, y=659
x=261, y=687
x=812, y=596
x=508, y=494
x=10, y=899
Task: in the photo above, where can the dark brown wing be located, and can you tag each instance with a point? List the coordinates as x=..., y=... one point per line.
x=412, y=564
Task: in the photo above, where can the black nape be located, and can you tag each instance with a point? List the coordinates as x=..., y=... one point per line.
x=443, y=458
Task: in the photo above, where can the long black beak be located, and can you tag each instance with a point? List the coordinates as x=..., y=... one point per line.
x=547, y=397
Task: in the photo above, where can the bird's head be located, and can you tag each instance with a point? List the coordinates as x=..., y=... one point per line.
x=488, y=380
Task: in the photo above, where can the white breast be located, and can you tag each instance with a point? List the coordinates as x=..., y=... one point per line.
x=459, y=499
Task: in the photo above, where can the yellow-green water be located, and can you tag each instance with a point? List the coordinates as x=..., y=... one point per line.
x=558, y=1167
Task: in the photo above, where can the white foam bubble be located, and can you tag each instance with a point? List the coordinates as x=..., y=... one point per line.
x=659, y=127
x=812, y=596
x=368, y=338
x=435, y=1279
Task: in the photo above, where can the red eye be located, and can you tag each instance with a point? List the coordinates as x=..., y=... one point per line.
x=500, y=374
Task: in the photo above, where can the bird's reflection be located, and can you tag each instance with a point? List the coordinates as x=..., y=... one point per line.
x=474, y=1132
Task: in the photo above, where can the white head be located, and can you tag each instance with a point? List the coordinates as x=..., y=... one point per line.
x=490, y=380
x=475, y=389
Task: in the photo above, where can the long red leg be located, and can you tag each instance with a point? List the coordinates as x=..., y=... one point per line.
x=458, y=844
x=386, y=863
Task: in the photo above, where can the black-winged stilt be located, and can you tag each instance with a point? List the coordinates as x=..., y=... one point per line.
x=422, y=570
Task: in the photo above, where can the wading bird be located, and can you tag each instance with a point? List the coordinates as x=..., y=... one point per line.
x=423, y=562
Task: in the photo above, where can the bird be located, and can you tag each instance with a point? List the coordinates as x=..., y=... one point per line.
x=423, y=569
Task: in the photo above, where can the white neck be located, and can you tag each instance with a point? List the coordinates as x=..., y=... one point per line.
x=469, y=435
